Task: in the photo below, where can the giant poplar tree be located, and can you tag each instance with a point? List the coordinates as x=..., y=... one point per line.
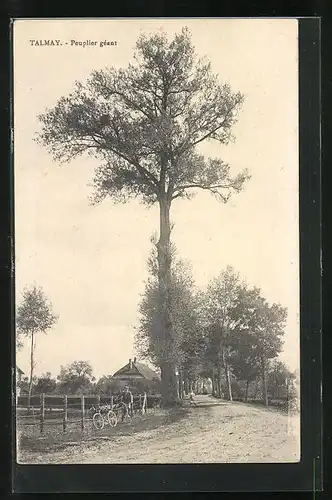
x=145, y=124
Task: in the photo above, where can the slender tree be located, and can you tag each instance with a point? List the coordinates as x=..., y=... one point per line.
x=145, y=124
x=221, y=297
x=34, y=315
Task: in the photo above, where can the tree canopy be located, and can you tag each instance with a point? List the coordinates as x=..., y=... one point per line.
x=45, y=384
x=76, y=378
x=34, y=314
x=145, y=123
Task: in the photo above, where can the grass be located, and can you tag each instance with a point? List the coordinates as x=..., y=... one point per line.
x=54, y=439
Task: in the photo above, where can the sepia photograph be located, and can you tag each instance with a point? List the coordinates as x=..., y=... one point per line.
x=156, y=214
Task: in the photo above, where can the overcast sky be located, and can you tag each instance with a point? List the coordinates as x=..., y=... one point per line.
x=91, y=261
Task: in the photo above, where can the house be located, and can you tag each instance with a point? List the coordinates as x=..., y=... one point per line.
x=19, y=374
x=135, y=374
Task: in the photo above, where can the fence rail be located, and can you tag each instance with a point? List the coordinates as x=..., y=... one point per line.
x=40, y=410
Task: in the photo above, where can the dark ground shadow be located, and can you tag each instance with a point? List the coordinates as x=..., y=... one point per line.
x=55, y=440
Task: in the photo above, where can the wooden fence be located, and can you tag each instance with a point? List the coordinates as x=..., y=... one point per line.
x=63, y=410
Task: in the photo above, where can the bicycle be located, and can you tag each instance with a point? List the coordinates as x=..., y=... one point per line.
x=122, y=411
x=102, y=413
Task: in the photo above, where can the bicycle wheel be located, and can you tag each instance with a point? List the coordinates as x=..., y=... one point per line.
x=112, y=418
x=98, y=421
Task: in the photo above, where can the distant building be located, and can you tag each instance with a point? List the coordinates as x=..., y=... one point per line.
x=19, y=374
x=135, y=374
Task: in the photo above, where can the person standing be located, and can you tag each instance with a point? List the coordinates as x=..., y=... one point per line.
x=128, y=399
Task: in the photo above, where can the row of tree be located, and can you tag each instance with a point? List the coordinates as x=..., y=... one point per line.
x=228, y=332
x=77, y=378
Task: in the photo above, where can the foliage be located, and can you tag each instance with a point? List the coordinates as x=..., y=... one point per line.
x=23, y=384
x=280, y=380
x=219, y=301
x=45, y=384
x=105, y=385
x=186, y=346
x=19, y=340
x=244, y=359
x=263, y=323
x=243, y=330
x=76, y=378
x=34, y=313
x=145, y=122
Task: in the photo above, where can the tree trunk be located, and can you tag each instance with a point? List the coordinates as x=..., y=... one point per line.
x=228, y=383
x=247, y=391
x=228, y=378
x=169, y=394
x=219, y=383
x=180, y=384
x=168, y=377
x=214, y=384
x=186, y=384
x=265, y=395
x=31, y=369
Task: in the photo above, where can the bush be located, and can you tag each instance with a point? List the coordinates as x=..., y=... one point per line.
x=23, y=400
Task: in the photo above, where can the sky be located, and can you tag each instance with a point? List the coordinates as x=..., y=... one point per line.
x=91, y=261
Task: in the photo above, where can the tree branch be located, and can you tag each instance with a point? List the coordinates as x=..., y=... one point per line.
x=205, y=186
x=150, y=178
x=190, y=145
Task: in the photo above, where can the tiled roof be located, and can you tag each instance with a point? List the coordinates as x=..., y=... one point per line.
x=147, y=372
x=138, y=368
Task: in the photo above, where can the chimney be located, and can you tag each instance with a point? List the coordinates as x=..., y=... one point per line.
x=135, y=360
x=130, y=364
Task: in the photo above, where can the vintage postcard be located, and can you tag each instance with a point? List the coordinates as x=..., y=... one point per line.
x=156, y=170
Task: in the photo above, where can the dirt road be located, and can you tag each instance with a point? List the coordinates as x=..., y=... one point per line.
x=211, y=432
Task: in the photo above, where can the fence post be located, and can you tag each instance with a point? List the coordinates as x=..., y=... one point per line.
x=145, y=403
x=98, y=399
x=111, y=402
x=82, y=412
x=140, y=404
x=42, y=412
x=65, y=413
